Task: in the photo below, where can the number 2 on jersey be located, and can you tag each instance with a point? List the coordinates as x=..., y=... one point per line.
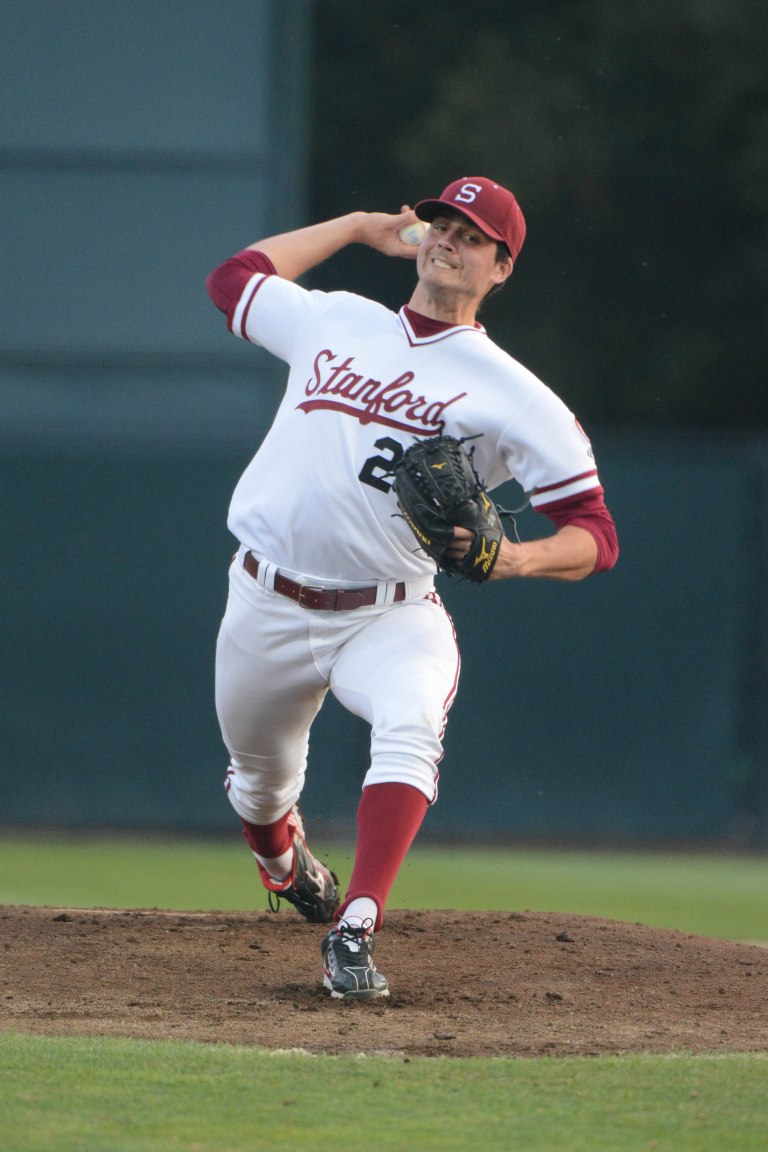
x=377, y=467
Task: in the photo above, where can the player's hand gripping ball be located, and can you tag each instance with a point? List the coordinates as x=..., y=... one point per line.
x=413, y=233
x=437, y=490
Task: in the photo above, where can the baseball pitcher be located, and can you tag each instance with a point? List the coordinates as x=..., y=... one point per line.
x=399, y=425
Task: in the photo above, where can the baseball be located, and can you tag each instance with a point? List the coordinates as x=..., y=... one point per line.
x=413, y=233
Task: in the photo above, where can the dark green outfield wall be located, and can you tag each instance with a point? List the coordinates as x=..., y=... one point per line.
x=628, y=706
x=139, y=146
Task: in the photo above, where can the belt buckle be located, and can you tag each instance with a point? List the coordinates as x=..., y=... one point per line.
x=306, y=589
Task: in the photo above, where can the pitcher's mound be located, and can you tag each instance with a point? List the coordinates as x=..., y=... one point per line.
x=462, y=983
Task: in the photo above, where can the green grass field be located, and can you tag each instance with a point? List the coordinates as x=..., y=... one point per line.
x=713, y=895
x=110, y=1095
x=104, y=1095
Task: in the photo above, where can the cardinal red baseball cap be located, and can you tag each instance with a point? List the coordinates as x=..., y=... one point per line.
x=492, y=208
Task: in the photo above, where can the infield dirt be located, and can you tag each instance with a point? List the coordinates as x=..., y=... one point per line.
x=463, y=984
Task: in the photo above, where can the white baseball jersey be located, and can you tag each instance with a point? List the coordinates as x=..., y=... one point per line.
x=317, y=497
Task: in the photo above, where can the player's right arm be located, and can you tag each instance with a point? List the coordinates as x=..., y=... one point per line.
x=294, y=253
x=235, y=284
x=290, y=254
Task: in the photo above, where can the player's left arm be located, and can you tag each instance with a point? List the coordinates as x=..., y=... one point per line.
x=571, y=554
x=585, y=542
x=550, y=455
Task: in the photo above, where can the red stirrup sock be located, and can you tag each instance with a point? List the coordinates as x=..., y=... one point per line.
x=388, y=818
x=269, y=840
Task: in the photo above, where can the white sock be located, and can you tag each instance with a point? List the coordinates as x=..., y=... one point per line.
x=278, y=867
x=360, y=911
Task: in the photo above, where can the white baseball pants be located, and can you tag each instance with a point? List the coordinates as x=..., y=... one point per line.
x=397, y=667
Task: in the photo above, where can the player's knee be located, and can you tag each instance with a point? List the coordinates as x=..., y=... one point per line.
x=418, y=770
x=260, y=799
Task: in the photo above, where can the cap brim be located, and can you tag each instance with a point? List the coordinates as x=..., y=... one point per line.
x=427, y=210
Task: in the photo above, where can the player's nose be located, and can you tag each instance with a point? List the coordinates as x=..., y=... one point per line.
x=446, y=240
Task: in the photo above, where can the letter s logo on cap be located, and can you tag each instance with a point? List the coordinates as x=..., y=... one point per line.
x=468, y=193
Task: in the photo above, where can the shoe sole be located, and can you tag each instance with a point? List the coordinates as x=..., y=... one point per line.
x=362, y=994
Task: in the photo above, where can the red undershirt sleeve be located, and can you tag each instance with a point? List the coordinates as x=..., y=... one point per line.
x=588, y=510
x=226, y=283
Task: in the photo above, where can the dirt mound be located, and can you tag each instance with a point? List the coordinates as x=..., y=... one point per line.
x=463, y=984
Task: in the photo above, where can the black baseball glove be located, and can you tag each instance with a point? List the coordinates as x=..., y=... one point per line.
x=437, y=490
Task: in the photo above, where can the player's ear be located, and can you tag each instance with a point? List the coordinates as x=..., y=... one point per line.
x=502, y=270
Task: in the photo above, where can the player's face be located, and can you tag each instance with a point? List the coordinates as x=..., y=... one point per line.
x=456, y=258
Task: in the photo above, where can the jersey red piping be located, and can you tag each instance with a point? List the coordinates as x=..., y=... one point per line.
x=565, y=483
